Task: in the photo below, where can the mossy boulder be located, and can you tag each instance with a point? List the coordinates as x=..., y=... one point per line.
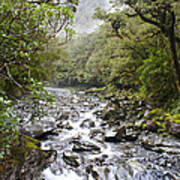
x=111, y=113
x=159, y=121
x=26, y=160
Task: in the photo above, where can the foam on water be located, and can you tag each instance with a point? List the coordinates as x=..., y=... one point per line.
x=69, y=175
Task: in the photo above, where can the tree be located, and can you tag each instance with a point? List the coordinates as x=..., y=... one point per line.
x=25, y=29
x=162, y=14
x=142, y=45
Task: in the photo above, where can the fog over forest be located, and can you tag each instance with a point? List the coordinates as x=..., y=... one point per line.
x=84, y=23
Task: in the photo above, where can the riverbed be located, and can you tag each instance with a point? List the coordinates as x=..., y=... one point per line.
x=79, y=135
x=77, y=141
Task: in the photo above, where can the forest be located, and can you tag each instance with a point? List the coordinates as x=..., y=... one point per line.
x=129, y=52
x=119, y=50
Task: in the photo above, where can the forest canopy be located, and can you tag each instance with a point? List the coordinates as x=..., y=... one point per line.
x=136, y=48
x=26, y=28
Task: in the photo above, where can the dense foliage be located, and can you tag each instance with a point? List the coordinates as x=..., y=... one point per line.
x=134, y=49
x=26, y=29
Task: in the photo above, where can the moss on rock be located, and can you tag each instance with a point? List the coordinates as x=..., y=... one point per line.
x=161, y=122
x=26, y=160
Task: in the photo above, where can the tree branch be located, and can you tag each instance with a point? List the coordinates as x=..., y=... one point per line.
x=11, y=77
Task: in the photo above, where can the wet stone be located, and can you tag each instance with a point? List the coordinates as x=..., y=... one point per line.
x=151, y=125
x=46, y=134
x=163, y=145
x=131, y=136
x=64, y=116
x=175, y=129
x=153, y=175
x=71, y=158
x=95, y=132
x=120, y=135
x=87, y=123
x=65, y=125
x=84, y=147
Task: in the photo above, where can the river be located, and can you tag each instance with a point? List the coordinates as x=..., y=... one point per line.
x=79, y=144
x=83, y=153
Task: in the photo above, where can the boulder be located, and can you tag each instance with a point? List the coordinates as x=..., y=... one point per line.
x=87, y=123
x=71, y=159
x=153, y=175
x=27, y=161
x=175, y=129
x=151, y=126
x=120, y=134
x=116, y=135
x=84, y=147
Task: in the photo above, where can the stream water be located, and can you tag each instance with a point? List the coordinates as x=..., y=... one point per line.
x=83, y=154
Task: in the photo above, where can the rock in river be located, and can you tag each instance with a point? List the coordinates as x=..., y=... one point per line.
x=120, y=134
x=175, y=129
x=71, y=158
x=85, y=147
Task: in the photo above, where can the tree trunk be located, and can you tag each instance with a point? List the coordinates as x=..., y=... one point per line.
x=174, y=59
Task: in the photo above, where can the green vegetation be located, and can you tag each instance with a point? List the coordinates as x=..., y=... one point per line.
x=131, y=50
x=26, y=30
x=8, y=126
x=136, y=49
x=159, y=121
